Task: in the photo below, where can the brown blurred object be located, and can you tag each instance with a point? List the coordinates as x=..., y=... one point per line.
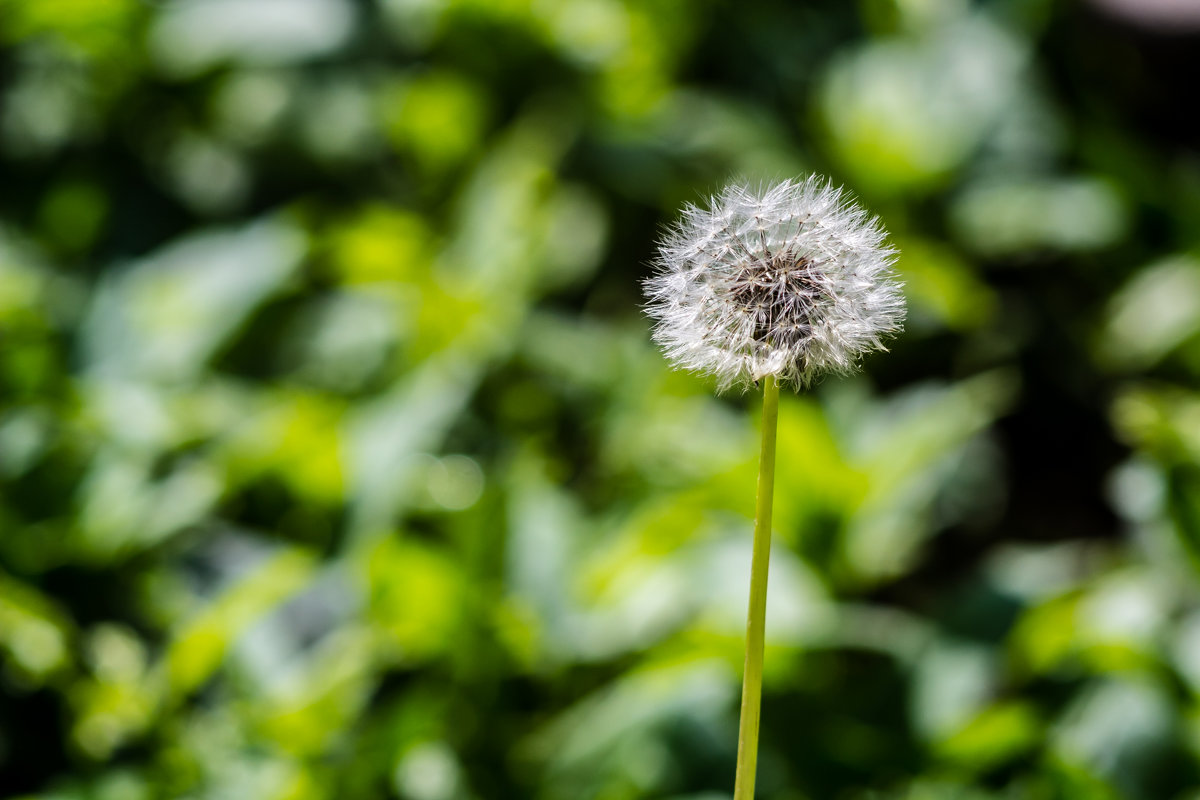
x=1161, y=15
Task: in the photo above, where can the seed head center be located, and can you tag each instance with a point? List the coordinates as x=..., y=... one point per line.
x=780, y=294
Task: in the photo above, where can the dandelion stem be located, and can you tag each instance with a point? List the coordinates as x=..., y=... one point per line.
x=747, y=757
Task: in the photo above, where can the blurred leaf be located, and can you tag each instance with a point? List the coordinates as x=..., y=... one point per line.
x=187, y=38
x=997, y=734
x=609, y=740
x=903, y=113
x=943, y=287
x=97, y=27
x=200, y=644
x=1009, y=217
x=906, y=452
x=1154, y=313
x=164, y=316
x=415, y=599
x=381, y=244
x=34, y=634
x=440, y=118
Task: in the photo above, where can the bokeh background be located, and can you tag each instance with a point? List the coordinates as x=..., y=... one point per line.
x=336, y=461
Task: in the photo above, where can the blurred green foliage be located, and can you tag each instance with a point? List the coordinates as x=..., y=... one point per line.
x=336, y=462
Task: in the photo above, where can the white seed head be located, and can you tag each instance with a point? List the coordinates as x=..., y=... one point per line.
x=792, y=280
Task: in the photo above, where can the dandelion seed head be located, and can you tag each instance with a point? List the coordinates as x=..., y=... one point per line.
x=791, y=280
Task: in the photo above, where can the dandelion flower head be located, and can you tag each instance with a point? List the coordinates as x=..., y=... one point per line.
x=792, y=281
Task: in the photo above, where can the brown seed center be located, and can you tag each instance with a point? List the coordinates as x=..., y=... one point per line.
x=781, y=294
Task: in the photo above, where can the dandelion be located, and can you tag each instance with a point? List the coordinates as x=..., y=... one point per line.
x=792, y=282
x=780, y=286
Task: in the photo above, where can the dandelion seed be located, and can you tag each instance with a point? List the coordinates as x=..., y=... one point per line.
x=790, y=281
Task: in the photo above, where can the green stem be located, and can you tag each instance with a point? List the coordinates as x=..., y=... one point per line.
x=756, y=621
